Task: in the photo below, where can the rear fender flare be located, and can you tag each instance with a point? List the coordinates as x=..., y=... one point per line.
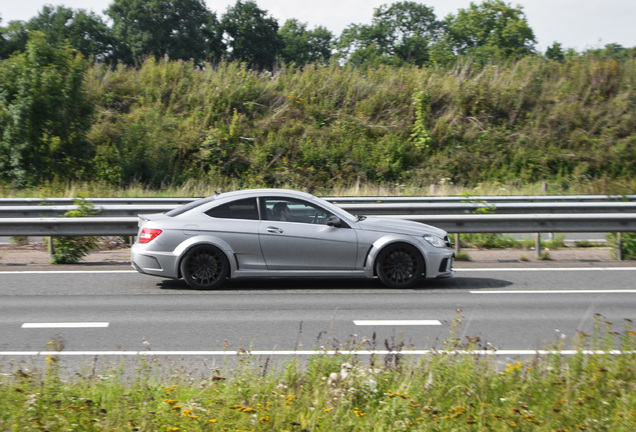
x=185, y=246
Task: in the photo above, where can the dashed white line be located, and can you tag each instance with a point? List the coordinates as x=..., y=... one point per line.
x=397, y=322
x=65, y=325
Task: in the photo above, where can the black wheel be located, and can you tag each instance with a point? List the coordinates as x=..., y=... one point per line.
x=399, y=265
x=204, y=267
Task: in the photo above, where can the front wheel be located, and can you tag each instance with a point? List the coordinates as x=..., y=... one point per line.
x=399, y=266
x=204, y=267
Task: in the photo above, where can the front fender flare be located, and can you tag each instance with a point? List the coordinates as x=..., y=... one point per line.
x=381, y=243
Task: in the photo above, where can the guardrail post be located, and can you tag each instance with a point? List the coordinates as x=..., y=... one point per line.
x=619, y=253
x=538, y=244
x=51, y=247
x=457, y=245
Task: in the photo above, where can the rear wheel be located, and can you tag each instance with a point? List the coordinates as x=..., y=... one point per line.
x=399, y=265
x=205, y=267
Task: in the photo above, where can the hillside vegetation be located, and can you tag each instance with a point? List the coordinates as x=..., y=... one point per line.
x=571, y=124
x=519, y=122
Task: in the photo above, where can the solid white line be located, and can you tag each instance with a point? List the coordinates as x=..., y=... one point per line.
x=591, y=291
x=533, y=269
x=66, y=272
x=397, y=322
x=65, y=325
x=519, y=352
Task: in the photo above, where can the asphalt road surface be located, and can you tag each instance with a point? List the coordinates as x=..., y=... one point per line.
x=104, y=311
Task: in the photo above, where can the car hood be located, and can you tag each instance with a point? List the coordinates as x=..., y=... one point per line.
x=399, y=226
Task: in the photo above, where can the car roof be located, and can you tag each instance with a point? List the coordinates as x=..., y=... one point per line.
x=264, y=192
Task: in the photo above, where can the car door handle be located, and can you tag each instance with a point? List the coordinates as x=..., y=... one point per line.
x=274, y=230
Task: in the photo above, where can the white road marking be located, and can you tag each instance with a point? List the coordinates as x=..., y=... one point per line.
x=574, y=291
x=27, y=272
x=548, y=269
x=519, y=352
x=65, y=325
x=397, y=322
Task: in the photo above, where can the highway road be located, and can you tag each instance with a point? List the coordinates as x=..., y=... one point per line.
x=113, y=311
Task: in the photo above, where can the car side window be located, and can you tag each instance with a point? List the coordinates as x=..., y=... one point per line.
x=290, y=210
x=239, y=209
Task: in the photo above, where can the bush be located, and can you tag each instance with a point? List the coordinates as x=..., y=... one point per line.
x=71, y=249
x=628, y=245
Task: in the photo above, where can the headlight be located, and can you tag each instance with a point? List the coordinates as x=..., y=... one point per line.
x=435, y=241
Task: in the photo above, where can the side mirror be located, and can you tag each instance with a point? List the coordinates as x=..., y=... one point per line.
x=334, y=221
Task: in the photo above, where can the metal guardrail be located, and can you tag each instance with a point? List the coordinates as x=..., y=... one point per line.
x=369, y=209
x=541, y=214
x=531, y=223
x=338, y=200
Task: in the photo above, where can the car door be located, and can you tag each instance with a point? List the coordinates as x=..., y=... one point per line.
x=300, y=239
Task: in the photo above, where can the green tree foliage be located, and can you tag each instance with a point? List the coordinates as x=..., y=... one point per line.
x=13, y=38
x=177, y=29
x=555, y=52
x=45, y=114
x=302, y=46
x=401, y=33
x=251, y=35
x=84, y=31
x=491, y=30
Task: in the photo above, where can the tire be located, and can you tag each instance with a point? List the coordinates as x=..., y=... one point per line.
x=204, y=267
x=399, y=265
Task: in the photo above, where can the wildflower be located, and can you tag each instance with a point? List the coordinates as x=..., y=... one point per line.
x=242, y=408
x=358, y=412
x=213, y=420
x=264, y=419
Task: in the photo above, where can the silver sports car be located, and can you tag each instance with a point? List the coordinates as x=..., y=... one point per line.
x=285, y=233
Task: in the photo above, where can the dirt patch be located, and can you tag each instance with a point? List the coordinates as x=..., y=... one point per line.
x=37, y=254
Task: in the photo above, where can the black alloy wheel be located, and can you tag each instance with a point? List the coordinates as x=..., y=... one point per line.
x=205, y=267
x=399, y=265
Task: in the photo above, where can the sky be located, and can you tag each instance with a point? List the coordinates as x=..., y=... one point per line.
x=578, y=24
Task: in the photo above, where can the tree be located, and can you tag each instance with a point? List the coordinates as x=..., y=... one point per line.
x=44, y=114
x=555, y=52
x=13, y=38
x=302, y=46
x=86, y=32
x=491, y=30
x=400, y=33
x=178, y=29
x=251, y=36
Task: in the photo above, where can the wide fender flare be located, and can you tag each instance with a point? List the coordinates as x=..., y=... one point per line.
x=206, y=239
x=384, y=241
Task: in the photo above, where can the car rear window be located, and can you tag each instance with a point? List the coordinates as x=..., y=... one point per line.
x=187, y=207
x=240, y=209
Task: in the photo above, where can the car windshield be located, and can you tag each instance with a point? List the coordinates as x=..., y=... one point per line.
x=186, y=207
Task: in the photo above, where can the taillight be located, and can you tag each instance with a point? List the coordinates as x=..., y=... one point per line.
x=148, y=234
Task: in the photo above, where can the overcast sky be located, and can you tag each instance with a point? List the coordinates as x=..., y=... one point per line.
x=579, y=24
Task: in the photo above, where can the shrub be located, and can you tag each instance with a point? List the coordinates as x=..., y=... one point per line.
x=71, y=249
x=628, y=245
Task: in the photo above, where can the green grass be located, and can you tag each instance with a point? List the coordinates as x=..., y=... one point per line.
x=437, y=392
